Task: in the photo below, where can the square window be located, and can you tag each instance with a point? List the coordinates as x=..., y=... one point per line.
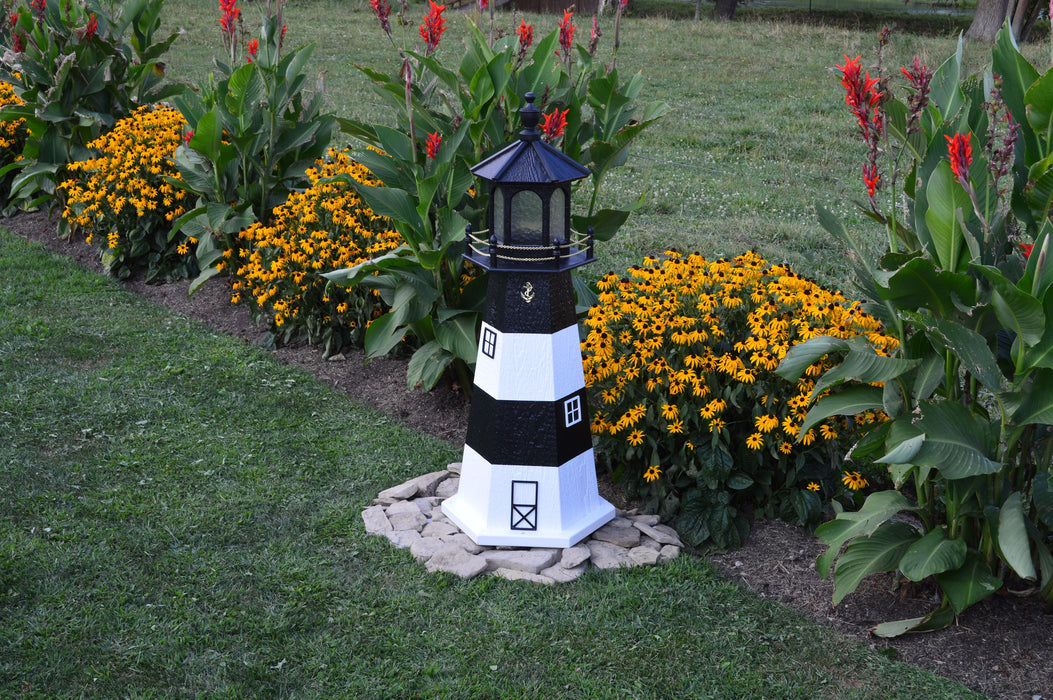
x=572, y=410
x=489, y=342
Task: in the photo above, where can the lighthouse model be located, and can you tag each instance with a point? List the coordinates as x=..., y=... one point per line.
x=528, y=476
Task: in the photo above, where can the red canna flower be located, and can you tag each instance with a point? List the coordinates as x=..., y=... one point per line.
x=525, y=32
x=871, y=178
x=14, y=18
x=92, y=29
x=281, y=37
x=231, y=12
x=252, y=48
x=382, y=9
x=39, y=8
x=433, y=27
x=861, y=93
x=188, y=135
x=19, y=42
x=1027, y=247
x=431, y=146
x=566, y=33
x=594, y=36
x=960, y=152
x=483, y=4
x=552, y=125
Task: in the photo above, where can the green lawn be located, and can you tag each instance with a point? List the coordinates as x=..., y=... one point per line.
x=180, y=516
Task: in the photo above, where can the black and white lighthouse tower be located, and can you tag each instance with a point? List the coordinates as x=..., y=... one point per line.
x=528, y=476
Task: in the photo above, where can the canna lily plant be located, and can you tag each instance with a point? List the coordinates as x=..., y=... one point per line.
x=965, y=286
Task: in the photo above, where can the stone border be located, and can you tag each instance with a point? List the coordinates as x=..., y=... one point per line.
x=408, y=515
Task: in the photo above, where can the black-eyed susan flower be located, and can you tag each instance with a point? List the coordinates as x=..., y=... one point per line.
x=653, y=473
x=854, y=481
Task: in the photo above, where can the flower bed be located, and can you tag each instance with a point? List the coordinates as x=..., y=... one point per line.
x=680, y=357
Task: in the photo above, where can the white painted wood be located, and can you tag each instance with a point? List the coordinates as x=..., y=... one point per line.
x=569, y=506
x=531, y=366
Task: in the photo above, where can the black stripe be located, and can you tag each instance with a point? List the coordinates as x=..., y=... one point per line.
x=530, y=433
x=550, y=307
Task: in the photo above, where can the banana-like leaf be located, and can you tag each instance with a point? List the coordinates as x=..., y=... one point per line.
x=1017, y=310
x=1012, y=537
x=968, y=584
x=936, y=620
x=1033, y=403
x=918, y=284
x=932, y=554
x=848, y=402
x=877, y=508
x=427, y=366
x=863, y=364
x=956, y=441
x=881, y=551
x=946, y=198
x=803, y=355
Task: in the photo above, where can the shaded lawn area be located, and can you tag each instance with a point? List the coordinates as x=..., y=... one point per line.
x=180, y=516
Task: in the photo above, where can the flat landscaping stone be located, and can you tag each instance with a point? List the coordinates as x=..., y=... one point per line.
x=559, y=574
x=439, y=528
x=659, y=533
x=517, y=575
x=644, y=556
x=573, y=556
x=448, y=488
x=425, y=548
x=463, y=541
x=454, y=560
x=529, y=560
x=668, y=554
x=608, y=556
x=426, y=483
x=402, y=539
x=400, y=492
x=621, y=535
x=376, y=522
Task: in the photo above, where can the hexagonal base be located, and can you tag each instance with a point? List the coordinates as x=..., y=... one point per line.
x=527, y=506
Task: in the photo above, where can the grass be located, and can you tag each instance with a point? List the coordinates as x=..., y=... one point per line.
x=179, y=516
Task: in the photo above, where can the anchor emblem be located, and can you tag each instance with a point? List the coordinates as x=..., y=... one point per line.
x=528, y=293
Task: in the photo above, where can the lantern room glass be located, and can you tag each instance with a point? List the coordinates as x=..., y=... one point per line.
x=528, y=219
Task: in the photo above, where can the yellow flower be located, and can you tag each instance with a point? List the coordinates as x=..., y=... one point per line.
x=766, y=423
x=854, y=480
x=652, y=473
x=670, y=411
x=676, y=427
x=812, y=486
x=827, y=432
x=635, y=438
x=755, y=441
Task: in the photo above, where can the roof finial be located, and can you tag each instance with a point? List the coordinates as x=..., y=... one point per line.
x=529, y=115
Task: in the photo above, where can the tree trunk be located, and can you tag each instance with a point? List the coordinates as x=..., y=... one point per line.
x=987, y=20
x=724, y=9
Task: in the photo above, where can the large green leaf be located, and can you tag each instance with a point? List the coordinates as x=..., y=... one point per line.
x=457, y=334
x=881, y=551
x=1018, y=75
x=957, y=442
x=1033, y=402
x=946, y=199
x=1012, y=537
x=918, y=284
x=936, y=620
x=968, y=584
x=803, y=355
x=863, y=364
x=393, y=203
x=877, y=508
x=970, y=347
x=847, y=402
x=1042, y=497
x=932, y=554
x=1017, y=310
x=945, y=86
x=427, y=366
x=1041, y=353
